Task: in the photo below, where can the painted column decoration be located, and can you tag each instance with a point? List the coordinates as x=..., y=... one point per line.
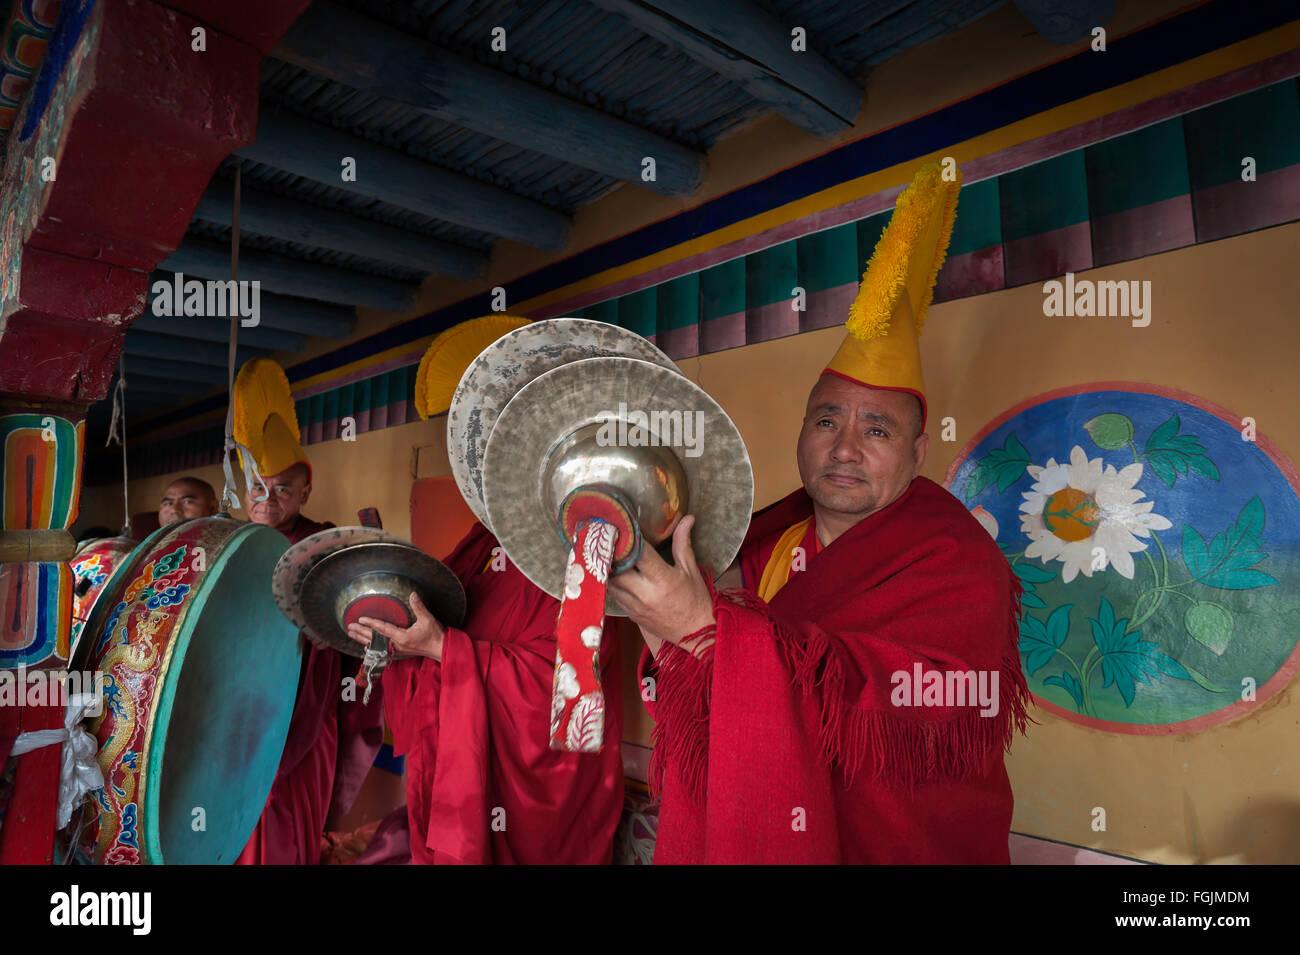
x=40, y=485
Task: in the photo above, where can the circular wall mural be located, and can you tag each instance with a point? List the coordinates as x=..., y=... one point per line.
x=1157, y=538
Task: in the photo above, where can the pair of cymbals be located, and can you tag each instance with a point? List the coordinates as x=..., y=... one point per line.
x=505, y=367
x=558, y=403
x=331, y=578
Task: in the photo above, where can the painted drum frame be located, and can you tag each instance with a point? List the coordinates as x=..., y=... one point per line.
x=120, y=550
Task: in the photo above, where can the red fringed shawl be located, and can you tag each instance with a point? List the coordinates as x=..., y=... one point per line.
x=482, y=784
x=782, y=744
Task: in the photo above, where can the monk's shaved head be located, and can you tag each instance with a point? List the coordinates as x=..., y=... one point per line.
x=185, y=498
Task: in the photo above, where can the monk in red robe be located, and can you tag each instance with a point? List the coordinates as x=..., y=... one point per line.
x=782, y=731
x=333, y=737
x=471, y=709
x=852, y=700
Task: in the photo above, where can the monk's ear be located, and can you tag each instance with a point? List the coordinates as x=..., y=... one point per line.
x=919, y=447
x=306, y=492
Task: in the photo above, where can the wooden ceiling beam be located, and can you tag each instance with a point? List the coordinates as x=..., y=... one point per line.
x=170, y=385
x=204, y=329
x=745, y=44
x=316, y=151
x=291, y=314
x=211, y=260
x=332, y=41
x=262, y=213
x=1066, y=23
x=169, y=348
x=159, y=368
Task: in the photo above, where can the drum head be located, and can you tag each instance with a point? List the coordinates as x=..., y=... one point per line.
x=580, y=395
x=224, y=710
x=202, y=672
x=511, y=362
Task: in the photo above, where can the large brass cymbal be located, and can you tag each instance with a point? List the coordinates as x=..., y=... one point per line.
x=506, y=366
x=556, y=433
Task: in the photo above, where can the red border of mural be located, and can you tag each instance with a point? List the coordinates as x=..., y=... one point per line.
x=1289, y=667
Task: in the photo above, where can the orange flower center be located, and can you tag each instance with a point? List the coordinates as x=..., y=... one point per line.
x=1071, y=514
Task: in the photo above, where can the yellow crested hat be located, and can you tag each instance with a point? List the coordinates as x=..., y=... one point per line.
x=880, y=349
x=450, y=354
x=265, y=421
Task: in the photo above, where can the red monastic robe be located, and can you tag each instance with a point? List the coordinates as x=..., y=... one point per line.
x=331, y=746
x=482, y=784
x=786, y=741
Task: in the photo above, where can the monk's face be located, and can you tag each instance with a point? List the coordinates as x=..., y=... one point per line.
x=859, y=448
x=289, y=491
x=183, y=500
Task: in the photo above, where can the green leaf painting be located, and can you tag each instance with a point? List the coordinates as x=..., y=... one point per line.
x=1002, y=467
x=1041, y=640
x=1228, y=560
x=1170, y=453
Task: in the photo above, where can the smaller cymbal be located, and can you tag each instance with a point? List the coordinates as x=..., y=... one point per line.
x=297, y=562
x=374, y=579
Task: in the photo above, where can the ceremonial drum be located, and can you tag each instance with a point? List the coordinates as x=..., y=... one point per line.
x=200, y=674
x=92, y=567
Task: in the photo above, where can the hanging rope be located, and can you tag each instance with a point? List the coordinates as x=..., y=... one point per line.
x=117, y=431
x=252, y=477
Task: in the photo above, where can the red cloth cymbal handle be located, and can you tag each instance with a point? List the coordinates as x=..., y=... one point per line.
x=577, y=702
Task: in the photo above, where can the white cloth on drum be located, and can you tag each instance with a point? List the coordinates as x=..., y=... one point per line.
x=79, y=771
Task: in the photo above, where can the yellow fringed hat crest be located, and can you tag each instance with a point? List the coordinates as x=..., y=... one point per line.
x=880, y=349
x=448, y=356
x=264, y=417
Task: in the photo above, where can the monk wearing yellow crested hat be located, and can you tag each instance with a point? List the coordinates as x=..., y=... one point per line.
x=266, y=424
x=333, y=737
x=852, y=700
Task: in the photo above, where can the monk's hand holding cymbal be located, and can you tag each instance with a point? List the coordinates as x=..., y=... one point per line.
x=423, y=638
x=668, y=601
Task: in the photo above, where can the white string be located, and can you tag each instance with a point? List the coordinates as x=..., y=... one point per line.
x=252, y=477
x=117, y=430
